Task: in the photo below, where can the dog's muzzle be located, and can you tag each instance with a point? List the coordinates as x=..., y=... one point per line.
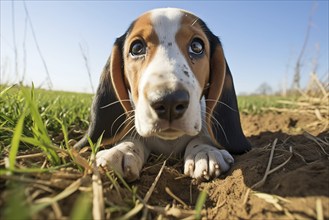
x=172, y=105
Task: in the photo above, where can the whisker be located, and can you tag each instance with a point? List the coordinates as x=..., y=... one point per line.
x=116, y=102
x=204, y=126
x=135, y=134
x=130, y=119
x=216, y=124
x=194, y=21
x=132, y=128
x=220, y=102
x=125, y=113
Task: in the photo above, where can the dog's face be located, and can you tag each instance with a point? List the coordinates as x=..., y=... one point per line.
x=167, y=77
x=166, y=65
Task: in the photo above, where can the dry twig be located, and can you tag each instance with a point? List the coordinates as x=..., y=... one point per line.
x=150, y=191
x=268, y=170
x=98, y=198
x=170, y=193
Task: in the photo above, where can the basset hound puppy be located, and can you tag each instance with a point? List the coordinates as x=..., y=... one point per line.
x=167, y=88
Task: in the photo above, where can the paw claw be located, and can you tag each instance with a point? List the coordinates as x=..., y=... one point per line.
x=205, y=175
x=209, y=162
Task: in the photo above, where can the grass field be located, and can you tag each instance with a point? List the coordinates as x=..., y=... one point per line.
x=56, y=108
x=39, y=124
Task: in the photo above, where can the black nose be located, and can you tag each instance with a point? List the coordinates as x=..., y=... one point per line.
x=172, y=105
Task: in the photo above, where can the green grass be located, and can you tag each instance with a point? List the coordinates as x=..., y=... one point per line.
x=257, y=104
x=36, y=120
x=42, y=108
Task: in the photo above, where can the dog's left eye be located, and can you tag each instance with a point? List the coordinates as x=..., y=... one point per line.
x=196, y=47
x=137, y=48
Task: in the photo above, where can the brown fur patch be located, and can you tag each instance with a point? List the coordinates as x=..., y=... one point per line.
x=216, y=82
x=134, y=67
x=189, y=30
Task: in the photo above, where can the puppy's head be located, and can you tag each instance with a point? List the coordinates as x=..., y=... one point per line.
x=166, y=57
x=157, y=75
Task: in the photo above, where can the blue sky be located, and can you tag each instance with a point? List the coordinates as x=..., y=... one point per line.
x=261, y=39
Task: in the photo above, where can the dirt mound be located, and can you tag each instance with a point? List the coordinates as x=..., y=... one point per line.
x=284, y=176
x=297, y=185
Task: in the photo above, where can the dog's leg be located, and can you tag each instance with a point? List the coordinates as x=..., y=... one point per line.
x=126, y=158
x=203, y=161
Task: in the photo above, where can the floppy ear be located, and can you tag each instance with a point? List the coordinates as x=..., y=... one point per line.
x=111, y=103
x=223, y=119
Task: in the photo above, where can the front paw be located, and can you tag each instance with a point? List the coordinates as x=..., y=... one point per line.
x=205, y=162
x=125, y=158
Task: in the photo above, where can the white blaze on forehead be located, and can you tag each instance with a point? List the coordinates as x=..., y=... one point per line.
x=166, y=23
x=167, y=19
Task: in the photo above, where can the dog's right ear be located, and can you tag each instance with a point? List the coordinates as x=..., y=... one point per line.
x=111, y=104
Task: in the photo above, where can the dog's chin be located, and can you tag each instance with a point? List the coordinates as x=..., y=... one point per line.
x=169, y=134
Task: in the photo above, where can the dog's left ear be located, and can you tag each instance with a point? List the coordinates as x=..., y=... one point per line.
x=223, y=119
x=111, y=105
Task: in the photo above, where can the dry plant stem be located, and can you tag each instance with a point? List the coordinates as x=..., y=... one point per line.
x=65, y=193
x=25, y=157
x=50, y=83
x=219, y=205
x=316, y=140
x=246, y=196
x=319, y=209
x=268, y=170
x=98, y=198
x=262, y=181
x=170, y=193
x=174, y=212
x=44, y=188
x=191, y=193
x=281, y=165
x=28, y=180
x=150, y=191
x=309, y=111
x=57, y=210
x=319, y=84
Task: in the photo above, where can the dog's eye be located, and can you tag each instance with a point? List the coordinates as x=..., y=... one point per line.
x=196, y=46
x=137, y=48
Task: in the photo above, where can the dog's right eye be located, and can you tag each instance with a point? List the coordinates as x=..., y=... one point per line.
x=196, y=47
x=137, y=48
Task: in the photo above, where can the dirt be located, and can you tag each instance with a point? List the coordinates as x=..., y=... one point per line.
x=299, y=189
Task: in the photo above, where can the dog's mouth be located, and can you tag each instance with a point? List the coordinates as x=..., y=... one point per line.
x=169, y=134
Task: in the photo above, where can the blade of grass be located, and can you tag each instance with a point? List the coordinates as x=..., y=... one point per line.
x=6, y=90
x=15, y=206
x=15, y=141
x=65, y=134
x=95, y=147
x=81, y=208
x=44, y=147
x=40, y=131
x=199, y=204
